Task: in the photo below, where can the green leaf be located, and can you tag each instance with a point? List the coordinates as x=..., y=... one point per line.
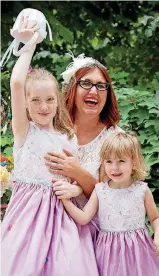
x=154, y=111
x=155, y=183
x=143, y=113
x=6, y=140
x=151, y=160
x=144, y=20
x=124, y=110
x=61, y=30
x=151, y=149
x=157, y=127
x=94, y=42
x=8, y=151
x=151, y=123
x=142, y=136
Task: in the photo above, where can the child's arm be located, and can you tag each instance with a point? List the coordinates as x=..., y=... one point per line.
x=66, y=190
x=17, y=83
x=84, y=216
x=153, y=216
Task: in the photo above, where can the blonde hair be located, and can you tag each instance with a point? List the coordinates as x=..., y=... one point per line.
x=61, y=121
x=123, y=144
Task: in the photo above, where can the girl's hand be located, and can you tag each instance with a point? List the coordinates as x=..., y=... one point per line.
x=62, y=164
x=26, y=29
x=65, y=190
x=156, y=243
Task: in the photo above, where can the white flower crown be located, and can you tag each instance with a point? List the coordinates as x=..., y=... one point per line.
x=75, y=65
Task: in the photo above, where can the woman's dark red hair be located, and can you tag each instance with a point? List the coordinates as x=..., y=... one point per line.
x=110, y=114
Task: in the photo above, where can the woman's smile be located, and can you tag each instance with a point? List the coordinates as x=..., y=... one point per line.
x=91, y=101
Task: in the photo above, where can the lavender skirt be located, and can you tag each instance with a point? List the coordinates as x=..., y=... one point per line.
x=40, y=239
x=126, y=254
x=93, y=225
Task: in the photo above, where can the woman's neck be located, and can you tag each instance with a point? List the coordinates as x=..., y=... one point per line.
x=87, y=128
x=86, y=122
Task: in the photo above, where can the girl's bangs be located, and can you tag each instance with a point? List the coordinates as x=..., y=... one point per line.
x=118, y=148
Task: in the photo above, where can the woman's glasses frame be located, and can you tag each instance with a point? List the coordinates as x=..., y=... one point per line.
x=87, y=85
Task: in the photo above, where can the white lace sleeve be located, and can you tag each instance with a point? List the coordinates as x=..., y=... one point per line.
x=74, y=144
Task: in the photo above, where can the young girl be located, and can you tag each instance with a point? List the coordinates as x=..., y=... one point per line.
x=123, y=247
x=38, y=237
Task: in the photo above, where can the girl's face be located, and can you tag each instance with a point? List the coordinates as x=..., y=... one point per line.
x=119, y=170
x=41, y=102
x=92, y=101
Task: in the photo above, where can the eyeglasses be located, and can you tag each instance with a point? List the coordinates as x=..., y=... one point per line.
x=101, y=86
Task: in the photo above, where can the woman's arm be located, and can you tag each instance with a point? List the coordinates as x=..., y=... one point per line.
x=17, y=84
x=84, y=216
x=69, y=166
x=153, y=216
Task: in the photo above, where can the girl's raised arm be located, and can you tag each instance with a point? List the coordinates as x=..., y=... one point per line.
x=84, y=216
x=17, y=83
x=153, y=216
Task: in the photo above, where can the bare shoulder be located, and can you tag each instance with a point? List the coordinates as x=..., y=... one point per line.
x=148, y=192
x=99, y=186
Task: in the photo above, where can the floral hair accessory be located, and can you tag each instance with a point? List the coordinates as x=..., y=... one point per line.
x=76, y=64
x=30, y=69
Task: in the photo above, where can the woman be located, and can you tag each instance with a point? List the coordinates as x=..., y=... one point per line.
x=92, y=106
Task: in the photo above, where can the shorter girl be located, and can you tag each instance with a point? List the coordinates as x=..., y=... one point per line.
x=123, y=247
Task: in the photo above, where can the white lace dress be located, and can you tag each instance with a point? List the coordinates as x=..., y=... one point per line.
x=89, y=158
x=123, y=246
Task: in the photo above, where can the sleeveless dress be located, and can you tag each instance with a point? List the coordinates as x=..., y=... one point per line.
x=38, y=236
x=89, y=158
x=124, y=247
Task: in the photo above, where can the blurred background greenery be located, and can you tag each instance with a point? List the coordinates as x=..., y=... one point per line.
x=124, y=36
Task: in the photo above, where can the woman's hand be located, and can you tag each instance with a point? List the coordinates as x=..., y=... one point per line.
x=69, y=166
x=65, y=190
x=63, y=164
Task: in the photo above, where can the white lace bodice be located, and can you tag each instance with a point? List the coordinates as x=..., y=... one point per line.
x=89, y=156
x=121, y=209
x=29, y=159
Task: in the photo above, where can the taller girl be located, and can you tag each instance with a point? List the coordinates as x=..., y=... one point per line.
x=38, y=237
